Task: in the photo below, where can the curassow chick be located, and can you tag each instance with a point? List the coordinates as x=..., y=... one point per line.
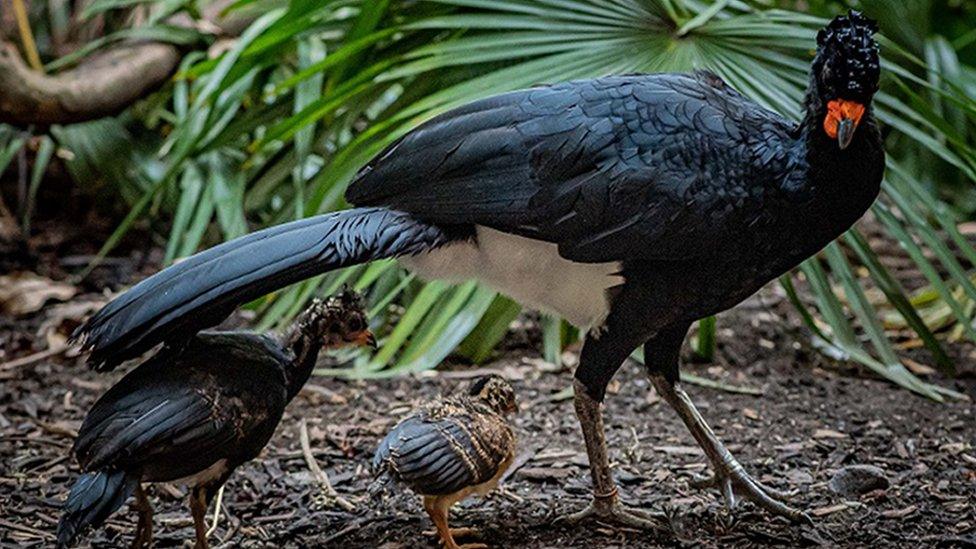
x=193, y=415
x=451, y=448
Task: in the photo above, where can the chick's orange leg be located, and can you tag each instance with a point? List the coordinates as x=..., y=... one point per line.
x=437, y=508
x=438, y=514
x=198, y=508
x=144, y=529
x=459, y=532
x=464, y=532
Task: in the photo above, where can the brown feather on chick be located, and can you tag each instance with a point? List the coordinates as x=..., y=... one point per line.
x=451, y=448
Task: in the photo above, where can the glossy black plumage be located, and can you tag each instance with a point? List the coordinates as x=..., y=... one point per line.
x=648, y=166
x=219, y=398
x=176, y=415
x=664, y=172
x=93, y=498
x=195, y=413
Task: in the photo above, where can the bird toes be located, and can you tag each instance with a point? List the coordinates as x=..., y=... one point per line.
x=615, y=512
x=718, y=482
x=460, y=532
x=734, y=481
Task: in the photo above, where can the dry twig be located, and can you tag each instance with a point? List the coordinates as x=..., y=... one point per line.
x=318, y=473
x=32, y=358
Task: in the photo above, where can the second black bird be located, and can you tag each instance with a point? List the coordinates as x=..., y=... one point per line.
x=195, y=414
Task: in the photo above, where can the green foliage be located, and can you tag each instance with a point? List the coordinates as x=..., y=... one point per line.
x=276, y=126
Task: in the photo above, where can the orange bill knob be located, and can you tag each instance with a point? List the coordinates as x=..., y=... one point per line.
x=842, y=119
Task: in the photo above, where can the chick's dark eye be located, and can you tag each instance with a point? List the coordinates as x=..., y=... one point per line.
x=355, y=324
x=335, y=328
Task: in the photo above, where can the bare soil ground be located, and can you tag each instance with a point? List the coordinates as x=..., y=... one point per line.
x=813, y=418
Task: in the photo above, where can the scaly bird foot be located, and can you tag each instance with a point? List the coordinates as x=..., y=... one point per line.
x=465, y=532
x=714, y=481
x=614, y=512
x=732, y=480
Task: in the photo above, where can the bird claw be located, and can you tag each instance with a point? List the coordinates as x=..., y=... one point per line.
x=732, y=480
x=720, y=483
x=616, y=513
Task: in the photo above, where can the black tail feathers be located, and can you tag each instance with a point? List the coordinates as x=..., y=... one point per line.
x=93, y=498
x=202, y=290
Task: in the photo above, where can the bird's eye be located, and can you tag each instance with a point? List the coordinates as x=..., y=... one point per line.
x=355, y=324
x=335, y=328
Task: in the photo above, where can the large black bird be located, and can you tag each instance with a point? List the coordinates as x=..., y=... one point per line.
x=631, y=205
x=194, y=414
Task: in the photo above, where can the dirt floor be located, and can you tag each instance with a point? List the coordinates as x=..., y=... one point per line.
x=813, y=417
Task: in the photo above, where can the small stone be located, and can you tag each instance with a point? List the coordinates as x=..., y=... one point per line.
x=799, y=476
x=855, y=480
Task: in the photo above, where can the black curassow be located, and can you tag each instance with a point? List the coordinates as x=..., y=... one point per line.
x=631, y=205
x=451, y=448
x=194, y=414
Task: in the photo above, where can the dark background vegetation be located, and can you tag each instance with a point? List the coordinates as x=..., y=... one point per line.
x=135, y=133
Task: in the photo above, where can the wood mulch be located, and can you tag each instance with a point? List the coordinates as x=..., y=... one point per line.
x=813, y=418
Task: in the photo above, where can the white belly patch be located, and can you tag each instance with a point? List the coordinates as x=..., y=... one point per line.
x=530, y=271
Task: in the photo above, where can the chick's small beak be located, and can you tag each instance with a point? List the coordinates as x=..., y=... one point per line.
x=366, y=338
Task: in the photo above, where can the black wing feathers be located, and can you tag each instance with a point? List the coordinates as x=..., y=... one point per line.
x=186, y=408
x=657, y=166
x=429, y=456
x=131, y=433
x=654, y=167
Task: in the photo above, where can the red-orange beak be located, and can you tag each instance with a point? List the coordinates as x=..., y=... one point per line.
x=842, y=119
